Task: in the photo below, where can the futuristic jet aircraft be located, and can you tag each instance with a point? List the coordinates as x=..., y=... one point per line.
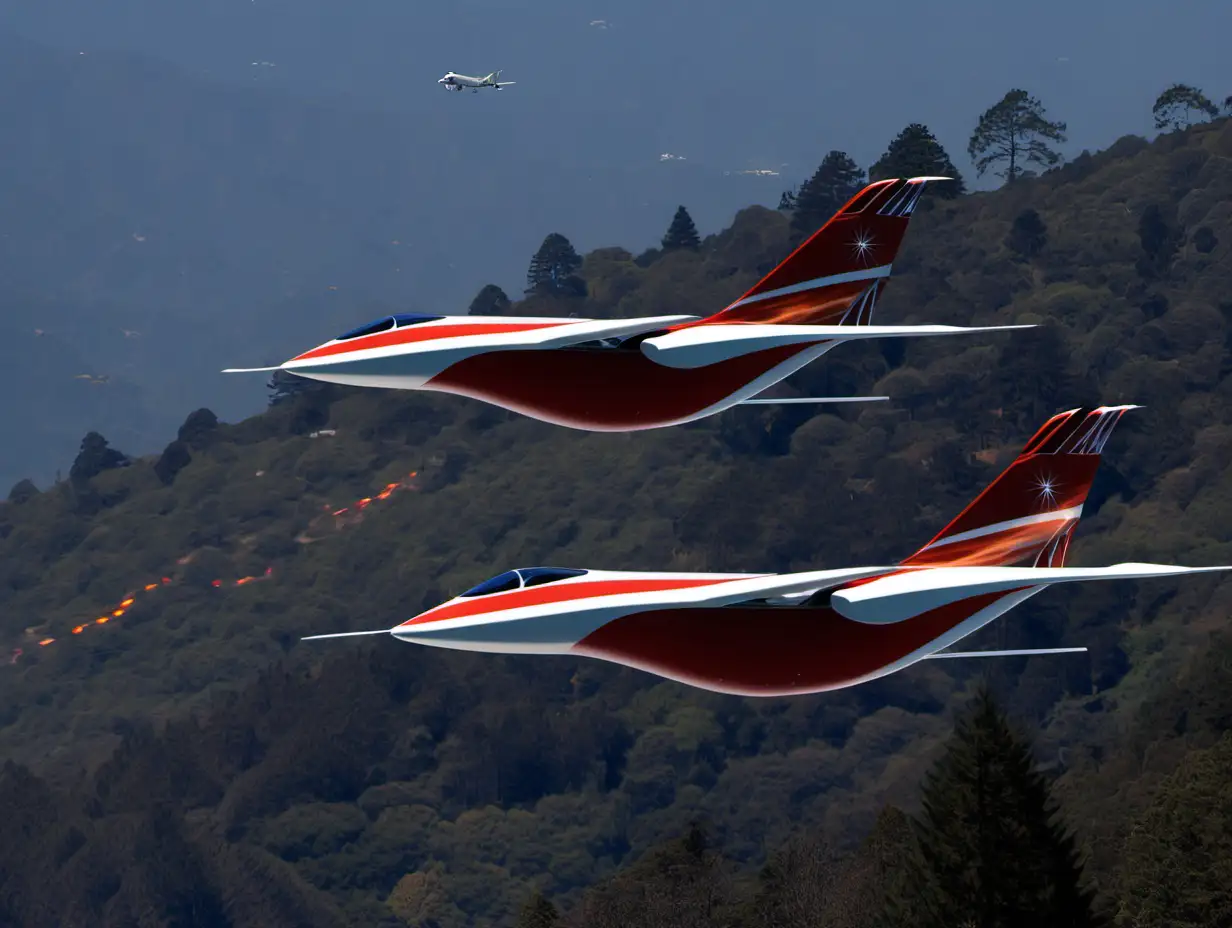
x=460, y=82
x=783, y=634
x=618, y=375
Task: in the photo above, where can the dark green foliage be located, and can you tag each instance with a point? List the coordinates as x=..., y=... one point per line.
x=491, y=300
x=330, y=782
x=1159, y=243
x=991, y=849
x=915, y=152
x=553, y=269
x=681, y=233
x=1178, y=858
x=538, y=912
x=787, y=200
x=1174, y=107
x=836, y=180
x=1028, y=235
x=284, y=386
x=23, y=491
x=1204, y=240
x=1015, y=134
x=175, y=458
x=94, y=458
x=199, y=429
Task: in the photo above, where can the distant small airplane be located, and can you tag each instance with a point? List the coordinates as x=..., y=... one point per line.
x=460, y=82
x=818, y=630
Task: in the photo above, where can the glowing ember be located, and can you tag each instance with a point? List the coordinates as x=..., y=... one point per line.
x=130, y=599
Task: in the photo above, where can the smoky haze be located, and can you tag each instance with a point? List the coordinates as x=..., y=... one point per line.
x=237, y=180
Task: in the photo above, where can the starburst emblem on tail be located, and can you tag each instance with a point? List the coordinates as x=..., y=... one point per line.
x=1046, y=490
x=862, y=245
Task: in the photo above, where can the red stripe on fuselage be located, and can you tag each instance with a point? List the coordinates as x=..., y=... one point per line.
x=604, y=389
x=768, y=650
x=423, y=333
x=555, y=593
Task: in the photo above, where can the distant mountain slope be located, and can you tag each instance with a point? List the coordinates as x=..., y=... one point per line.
x=224, y=222
x=475, y=777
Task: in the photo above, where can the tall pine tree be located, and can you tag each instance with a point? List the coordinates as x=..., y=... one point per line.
x=1014, y=134
x=915, y=152
x=991, y=851
x=681, y=233
x=553, y=269
x=835, y=181
x=1174, y=107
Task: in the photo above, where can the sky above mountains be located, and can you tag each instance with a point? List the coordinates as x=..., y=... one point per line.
x=734, y=86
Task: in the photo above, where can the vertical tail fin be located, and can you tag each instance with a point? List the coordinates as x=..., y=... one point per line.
x=1027, y=515
x=834, y=278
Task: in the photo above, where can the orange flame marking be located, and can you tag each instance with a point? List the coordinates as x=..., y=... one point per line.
x=45, y=642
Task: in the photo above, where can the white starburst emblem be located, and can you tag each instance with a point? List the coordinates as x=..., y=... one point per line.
x=862, y=245
x=1046, y=490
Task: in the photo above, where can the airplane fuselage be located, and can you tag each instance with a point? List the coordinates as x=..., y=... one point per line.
x=607, y=387
x=728, y=633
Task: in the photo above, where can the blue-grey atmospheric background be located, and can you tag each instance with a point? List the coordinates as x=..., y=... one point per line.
x=236, y=180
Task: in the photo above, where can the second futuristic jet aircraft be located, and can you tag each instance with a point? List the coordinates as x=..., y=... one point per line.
x=783, y=634
x=614, y=375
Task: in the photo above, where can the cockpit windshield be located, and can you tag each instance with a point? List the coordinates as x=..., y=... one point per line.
x=522, y=577
x=389, y=322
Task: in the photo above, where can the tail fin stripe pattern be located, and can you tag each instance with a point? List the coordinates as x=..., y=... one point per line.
x=903, y=204
x=1061, y=515
x=871, y=273
x=1029, y=512
x=862, y=307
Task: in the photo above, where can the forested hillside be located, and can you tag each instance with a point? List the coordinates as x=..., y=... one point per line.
x=158, y=695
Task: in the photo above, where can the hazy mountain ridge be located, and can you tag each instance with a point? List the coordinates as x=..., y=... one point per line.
x=360, y=765
x=225, y=222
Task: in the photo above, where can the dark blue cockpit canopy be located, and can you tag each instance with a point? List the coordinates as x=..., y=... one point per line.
x=522, y=577
x=381, y=325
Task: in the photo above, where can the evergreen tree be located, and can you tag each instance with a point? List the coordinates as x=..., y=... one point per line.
x=1015, y=133
x=538, y=912
x=915, y=152
x=1176, y=869
x=835, y=181
x=991, y=851
x=23, y=491
x=94, y=458
x=1173, y=107
x=1159, y=243
x=681, y=233
x=553, y=269
x=1028, y=235
x=1227, y=105
x=787, y=200
x=490, y=301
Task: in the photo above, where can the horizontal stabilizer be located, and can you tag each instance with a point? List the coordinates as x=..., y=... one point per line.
x=816, y=399
x=919, y=590
x=698, y=346
x=379, y=631
x=251, y=370
x=1022, y=652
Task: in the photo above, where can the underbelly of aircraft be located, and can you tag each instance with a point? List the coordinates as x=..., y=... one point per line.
x=772, y=650
x=605, y=389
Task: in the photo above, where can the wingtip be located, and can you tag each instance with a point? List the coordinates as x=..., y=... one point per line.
x=250, y=370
